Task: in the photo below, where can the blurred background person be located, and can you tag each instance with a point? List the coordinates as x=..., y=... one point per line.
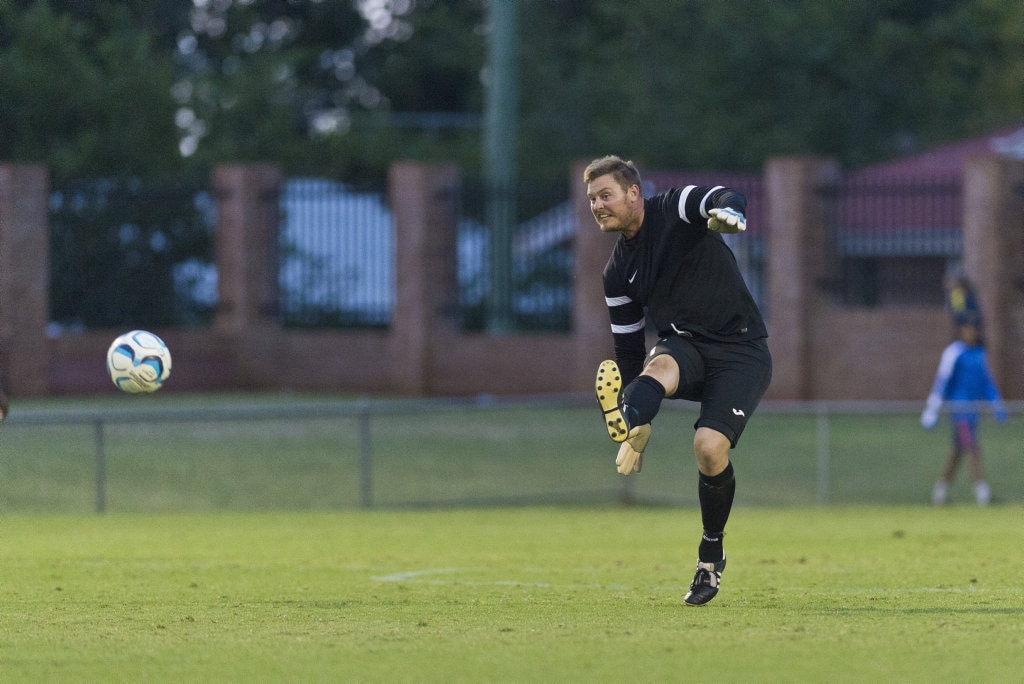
x=961, y=300
x=963, y=380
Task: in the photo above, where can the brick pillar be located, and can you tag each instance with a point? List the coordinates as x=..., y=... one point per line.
x=798, y=261
x=425, y=204
x=993, y=250
x=247, y=267
x=591, y=329
x=24, y=278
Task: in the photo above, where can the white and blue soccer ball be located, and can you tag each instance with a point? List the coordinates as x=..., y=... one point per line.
x=138, y=362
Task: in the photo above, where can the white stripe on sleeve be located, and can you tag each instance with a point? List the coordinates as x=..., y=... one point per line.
x=631, y=328
x=703, y=202
x=617, y=301
x=682, y=201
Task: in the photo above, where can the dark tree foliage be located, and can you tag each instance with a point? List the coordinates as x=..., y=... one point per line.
x=84, y=87
x=122, y=90
x=344, y=88
x=725, y=85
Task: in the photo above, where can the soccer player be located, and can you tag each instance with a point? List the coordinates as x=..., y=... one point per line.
x=963, y=377
x=671, y=268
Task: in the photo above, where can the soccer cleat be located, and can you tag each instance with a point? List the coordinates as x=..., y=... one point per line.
x=705, y=583
x=608, y=386
x=631, y=453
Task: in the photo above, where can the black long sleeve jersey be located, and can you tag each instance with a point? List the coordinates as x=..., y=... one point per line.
x=681, y=273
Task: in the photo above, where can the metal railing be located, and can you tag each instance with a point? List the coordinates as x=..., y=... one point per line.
x=373, y=419
x=337, y=255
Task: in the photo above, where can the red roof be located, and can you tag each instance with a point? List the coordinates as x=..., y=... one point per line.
x=948, y=159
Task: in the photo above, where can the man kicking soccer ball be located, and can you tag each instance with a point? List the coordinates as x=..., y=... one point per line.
x=671, y=261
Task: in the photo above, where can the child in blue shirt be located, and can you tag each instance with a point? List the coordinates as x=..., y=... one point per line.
x=962, y=381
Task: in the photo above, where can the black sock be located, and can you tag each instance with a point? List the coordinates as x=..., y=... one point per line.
x=641, y=400
x=715, y=495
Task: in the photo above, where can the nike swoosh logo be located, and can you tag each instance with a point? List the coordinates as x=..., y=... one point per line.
x=633, y=276
x=738, y=412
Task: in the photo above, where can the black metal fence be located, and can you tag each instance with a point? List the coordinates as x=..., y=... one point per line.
x=337, y=249
x=131, y=252
x=128, y=252
x=338, y=257
x=533, y=290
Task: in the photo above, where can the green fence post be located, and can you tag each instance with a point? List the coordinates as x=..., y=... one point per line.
x=824, y=457
x=365, y=458
x=101, y=467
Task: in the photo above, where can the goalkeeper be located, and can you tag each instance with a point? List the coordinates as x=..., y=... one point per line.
x=670, y=268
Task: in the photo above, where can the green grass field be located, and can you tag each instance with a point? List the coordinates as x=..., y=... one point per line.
x=239, y=549
x=843, y=594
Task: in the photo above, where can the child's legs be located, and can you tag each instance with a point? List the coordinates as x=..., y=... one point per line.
x=952, y=462
x=965, y=443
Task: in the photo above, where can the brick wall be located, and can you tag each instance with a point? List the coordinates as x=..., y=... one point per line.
x=821, y=351
x=24, y=278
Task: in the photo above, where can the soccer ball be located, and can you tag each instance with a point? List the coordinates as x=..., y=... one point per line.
x=138, y=362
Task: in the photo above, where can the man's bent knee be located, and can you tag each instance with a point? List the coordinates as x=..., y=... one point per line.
x=711, y=448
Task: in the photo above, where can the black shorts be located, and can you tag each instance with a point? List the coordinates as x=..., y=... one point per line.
x=727, y=378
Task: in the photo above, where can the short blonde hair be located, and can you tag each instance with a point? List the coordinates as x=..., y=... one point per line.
x=624, y=172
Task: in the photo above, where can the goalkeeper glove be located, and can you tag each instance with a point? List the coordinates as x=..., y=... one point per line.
x=631, y=453
x=726, y=220
x=930, y=415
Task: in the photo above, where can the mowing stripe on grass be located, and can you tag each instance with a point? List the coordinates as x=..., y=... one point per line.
x=424, y=577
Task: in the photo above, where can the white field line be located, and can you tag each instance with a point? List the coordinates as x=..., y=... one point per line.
x=430, y=576
x=441, y=576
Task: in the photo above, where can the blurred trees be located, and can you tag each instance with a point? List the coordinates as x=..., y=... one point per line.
x=723, y=85
x=85, y=87
x=344, y=87
x=107, y=93
x=88, y=92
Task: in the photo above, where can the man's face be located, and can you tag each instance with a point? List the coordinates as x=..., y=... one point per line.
x=614, y=209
